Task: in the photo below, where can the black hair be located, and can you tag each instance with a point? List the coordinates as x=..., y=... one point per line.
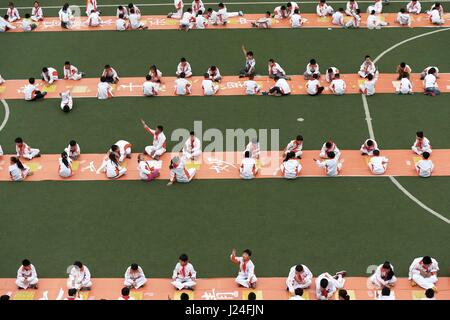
x=72, y=292
x=427, y=260
x=323, y=283
x=429, y=293
x=289, y=155
x=18, y=140
x=331, y=154
x=247, y=154
x=125, y=291
x=184, y=296
x=385, y=291
x=26, y=262
x=425, y=155
x=419, y=134
x=251, y=296
x=299, y=268
x=248, y=251
x=183, y=257
x=64, y=159
x=78, y=264
x=134, y=266
x=298, y=292
x=148, y=77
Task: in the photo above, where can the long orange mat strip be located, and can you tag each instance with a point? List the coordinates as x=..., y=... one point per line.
x=216, y=289
x=157, y=22
x=229, y=86
x=225, y=165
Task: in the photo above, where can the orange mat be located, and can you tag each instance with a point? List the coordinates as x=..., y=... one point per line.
x=311, y=20
x=215, y=289
x=225, y=165
x=229, y=86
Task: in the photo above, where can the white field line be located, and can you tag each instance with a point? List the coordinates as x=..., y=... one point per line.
x=5, y=120
x=372, y=135
x=170, y=4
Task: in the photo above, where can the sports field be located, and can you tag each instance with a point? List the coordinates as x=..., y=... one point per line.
x=329, y=224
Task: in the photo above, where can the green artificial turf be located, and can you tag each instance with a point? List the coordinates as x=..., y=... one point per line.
x=342, y=223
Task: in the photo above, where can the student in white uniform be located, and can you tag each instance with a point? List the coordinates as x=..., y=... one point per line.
x=264, y=22
x=313, y=87
x=121, y=10
x=31, y=93
x=123, y=149
x=73, y=150
x=403, y=68
x=66, y=104
x=27, y=23
x=147, y=171
x=71, y=72
x=158, y=148
x=91, y=5
x=338, y=17
x=368, y=147
x=254, y=148
x=125, y=294
x=281, y=88
x=94, y=19
x=280, y=12
x=5, y=25
x=403, y=18
x=323, y=9
x=184, y=274
x=430, y=83
x=134, y=277
x=49, y=75
x=300, y=277
x=27, y=276
x=405, y=86
x=156, y=74
x=351, y=7
x=331, y=73
x=214, y=74
x=290, y=168
x=368, y=88
x=208, y=86
x=384, y=276
x=178, y=10
x=179, y=172
x=367, y=67
x=188, y=20
x=110, y=74
x=311, y=68
x=425, y=166
x=422, y=144
x=377, y=7
x=374, y=22
x=378, y=164
x=250, y=64
x=192, y=148
x=121, y=24
x=251, y=86
x=200, y=21
x=331, y=165
x=248, y=169
x=423, y=272
x=223, y=14
x=113, y=168
x=135, y=22
x=274, y=69
x=246, y=276
x=104, y=89
x=149, y=87
x=184, y=67
x=36, y=12
x=25, y=151
x=337, y=86
x=327, y=285
x=327, y=147
x=414, y=7
x=355, y=21
x=385, y=294
x=297, y=295
x=197, y=5
x=211, y=15
x=12, y=13
x=436, y=17
x=291, y=6
x=65, y=16
x=135, y=8
x=182, y=86
x=79, y=277
x=295, y=146
x=425, y=71
x=65, y=166
x=17, y=170
x=296, y=19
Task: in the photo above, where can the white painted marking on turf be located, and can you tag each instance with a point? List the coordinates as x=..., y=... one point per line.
x=417, y=201
x=300, y=119
x=372, y=135
x=5, y=120
x=170, y=4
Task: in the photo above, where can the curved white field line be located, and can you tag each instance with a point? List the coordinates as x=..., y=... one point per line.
x=372, y=134
x=5, y=120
